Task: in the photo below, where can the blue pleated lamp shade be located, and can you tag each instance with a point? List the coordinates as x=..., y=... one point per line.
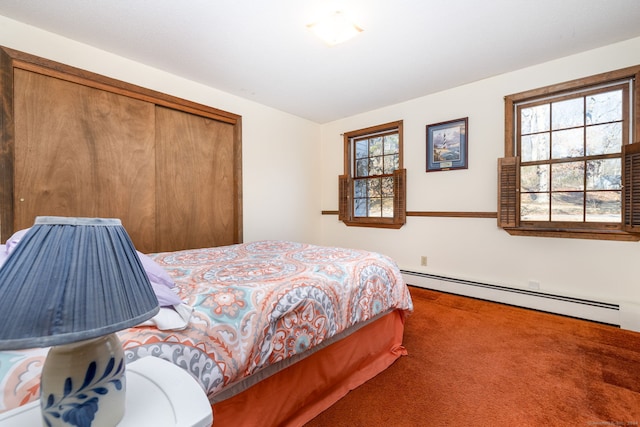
x=72, y=279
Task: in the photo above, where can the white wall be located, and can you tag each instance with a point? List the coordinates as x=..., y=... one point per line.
x=476, y=249
x=280, y=151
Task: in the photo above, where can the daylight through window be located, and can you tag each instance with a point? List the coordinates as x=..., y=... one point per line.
x=570, y=157
x=572, y=162
x=372, y=188
x=376, y=158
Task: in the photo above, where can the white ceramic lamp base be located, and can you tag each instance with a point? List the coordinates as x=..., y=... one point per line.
x=83, y=384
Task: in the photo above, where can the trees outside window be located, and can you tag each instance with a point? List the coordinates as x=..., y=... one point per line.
x=372, y=189
x=568, y=169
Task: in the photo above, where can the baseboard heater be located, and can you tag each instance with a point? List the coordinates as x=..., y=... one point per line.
x=596, y=311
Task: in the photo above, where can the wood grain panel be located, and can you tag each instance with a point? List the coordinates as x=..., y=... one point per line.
x=81, y=151
x=196, y=181
x=75, y=143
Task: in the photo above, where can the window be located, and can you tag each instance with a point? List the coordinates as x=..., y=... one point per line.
x=569, y=160
x=372, y=189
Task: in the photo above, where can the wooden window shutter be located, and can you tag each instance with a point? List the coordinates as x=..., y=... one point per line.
x=508, y=187
x=344, y=196
x=631, y=188
x=400, y=199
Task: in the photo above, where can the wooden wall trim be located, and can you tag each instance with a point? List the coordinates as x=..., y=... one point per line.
x=237, y=184
x=6, y=145
x=50, y=68
x=454, y=214
x=442, y=214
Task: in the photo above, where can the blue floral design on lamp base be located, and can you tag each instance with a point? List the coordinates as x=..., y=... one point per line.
x=83, y=384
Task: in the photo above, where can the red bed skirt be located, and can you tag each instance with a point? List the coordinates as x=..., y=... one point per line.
x=301, y=391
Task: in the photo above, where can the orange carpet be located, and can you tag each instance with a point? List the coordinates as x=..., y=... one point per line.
x=477, y=363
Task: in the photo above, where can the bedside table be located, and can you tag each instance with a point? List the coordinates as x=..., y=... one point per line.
x=159, y=394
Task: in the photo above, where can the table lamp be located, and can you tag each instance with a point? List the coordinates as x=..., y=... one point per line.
x=71, y=284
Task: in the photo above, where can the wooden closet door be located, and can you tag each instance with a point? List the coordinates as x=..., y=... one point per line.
x=81, y=151
x=196, y=181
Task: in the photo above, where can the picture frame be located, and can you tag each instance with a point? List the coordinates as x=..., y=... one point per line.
x=447, y=145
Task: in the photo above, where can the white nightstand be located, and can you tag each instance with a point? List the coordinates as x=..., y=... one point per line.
x=159, y=394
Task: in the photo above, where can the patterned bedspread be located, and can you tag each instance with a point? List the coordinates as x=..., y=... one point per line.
x=255, y=304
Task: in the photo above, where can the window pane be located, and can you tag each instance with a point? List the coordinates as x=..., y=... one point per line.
x=387, y=187
x=535, y=119
x=567, y=143
x=604, y=139
x=360, y=207
x=534, y=207
x=374, y=189
x=391, y=163
x=362, y=149
x=534, y=147
x=387, y=207
x=373, y=155
x=375, y=207
x=375, y=166
x=375, y=146
x=604, y=206
x=567, y=176
x=392, y=144
x=604, y=174
x=567, y=206
x=567, y=114
x=362, y=167
x=534, y=178
x=360, y=188
x=604, y=107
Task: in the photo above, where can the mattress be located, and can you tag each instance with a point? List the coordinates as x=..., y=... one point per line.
x=257, y=308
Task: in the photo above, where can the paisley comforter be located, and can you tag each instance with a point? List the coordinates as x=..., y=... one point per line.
x=255, y=304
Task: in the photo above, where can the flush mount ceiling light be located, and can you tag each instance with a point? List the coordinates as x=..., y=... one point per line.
x=335, y=28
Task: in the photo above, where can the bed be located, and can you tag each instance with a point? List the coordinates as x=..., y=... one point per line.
x=277, y=330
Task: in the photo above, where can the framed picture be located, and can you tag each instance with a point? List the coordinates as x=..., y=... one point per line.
x=447, y=145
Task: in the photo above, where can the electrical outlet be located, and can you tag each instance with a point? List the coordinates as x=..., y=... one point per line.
x=423, y=260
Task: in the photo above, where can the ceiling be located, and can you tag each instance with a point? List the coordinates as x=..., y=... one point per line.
x=261, y=50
